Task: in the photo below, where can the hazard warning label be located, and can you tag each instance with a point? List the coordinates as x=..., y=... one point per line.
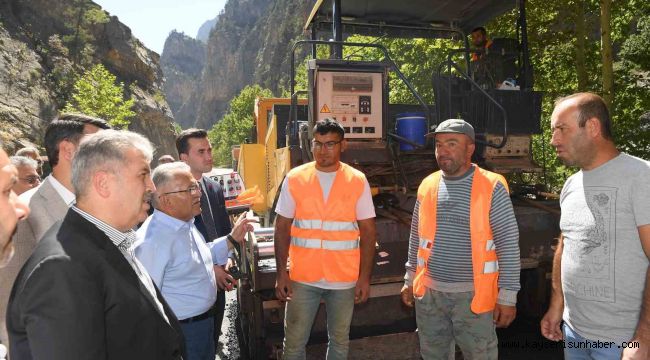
x=325, y=109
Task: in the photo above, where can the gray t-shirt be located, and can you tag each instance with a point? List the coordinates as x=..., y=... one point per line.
x=603, y=264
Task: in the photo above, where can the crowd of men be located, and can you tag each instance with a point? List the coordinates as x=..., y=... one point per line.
x=97, y=274
x=82, y=282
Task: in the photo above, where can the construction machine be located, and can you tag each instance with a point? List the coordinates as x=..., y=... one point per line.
x=355, y=92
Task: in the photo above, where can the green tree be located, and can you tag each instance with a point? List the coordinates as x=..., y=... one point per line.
x=79, y=20
x=555, y=34
x=632, y=72
x=97, y=93
x=581, y=33
x=236, y=125
x=606, y=53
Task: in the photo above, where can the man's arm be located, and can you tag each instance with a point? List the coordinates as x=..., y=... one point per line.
x=642, y=332
x=63, y=312
x=221, y=247
x=281, y=242
x=550, y=324
x=368, y=239
x=505, y=234
x=411, y=262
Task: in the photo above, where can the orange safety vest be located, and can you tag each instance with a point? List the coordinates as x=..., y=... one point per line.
x=476, y=56
x=325, y=235
x=485, y=265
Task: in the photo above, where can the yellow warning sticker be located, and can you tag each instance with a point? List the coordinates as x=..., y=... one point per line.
x=324, y=109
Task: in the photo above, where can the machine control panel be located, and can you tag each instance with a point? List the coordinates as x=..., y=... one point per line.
x=354, y=99
x=231, y=184
x=364, y=104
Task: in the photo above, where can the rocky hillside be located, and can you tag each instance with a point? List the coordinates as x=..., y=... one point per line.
x=250, y=44
x=183, y=62
x=204, y=31
x=34, y=62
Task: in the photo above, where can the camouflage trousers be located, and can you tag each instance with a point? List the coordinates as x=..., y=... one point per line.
x=445, y=318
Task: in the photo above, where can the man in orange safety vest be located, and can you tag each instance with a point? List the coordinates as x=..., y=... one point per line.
x=326, y=228
x=463, y=262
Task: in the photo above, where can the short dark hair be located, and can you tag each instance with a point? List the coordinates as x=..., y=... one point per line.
x=85, y=119
x=589, y=106
x=182, y=140
x=481, y=29
x=327, y=126
x=57, y=131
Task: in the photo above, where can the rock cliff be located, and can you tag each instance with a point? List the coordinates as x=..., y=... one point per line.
x=204, y=31
x=182, y=62
x=33, y=62
x=249, y=44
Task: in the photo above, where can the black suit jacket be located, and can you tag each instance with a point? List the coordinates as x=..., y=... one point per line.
x=77, y=297
x=219, y=213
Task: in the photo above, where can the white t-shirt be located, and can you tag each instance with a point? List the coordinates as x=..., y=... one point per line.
x=603, y=263
x=286, y=207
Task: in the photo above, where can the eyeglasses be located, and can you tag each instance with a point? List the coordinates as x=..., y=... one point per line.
x=317, y=145
x=31, y=179
x=194, y=189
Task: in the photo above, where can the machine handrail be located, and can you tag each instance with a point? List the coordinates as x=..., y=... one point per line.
x=451, y=64
x=292, y=112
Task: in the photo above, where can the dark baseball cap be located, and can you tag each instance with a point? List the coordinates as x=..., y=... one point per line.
x=458, y=126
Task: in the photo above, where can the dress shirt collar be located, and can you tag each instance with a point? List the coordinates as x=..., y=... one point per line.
x=171, y=221
x=67, y=195
x=116, y=236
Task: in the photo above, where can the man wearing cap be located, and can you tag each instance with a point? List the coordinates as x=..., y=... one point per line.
x=462, y=272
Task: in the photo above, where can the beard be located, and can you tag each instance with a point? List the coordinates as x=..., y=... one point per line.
x=449, y=166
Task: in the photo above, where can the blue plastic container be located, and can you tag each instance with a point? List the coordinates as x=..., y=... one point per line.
x=412, y=126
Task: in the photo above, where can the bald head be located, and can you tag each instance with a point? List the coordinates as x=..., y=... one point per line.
x=581, y=131
x=166, y=159
x=588, y=106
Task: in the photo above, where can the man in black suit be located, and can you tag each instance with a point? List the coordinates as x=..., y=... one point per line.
x=195, y=150
x=82, y=294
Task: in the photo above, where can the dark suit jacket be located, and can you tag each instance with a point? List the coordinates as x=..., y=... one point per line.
x=77, y=297
x=219, y=213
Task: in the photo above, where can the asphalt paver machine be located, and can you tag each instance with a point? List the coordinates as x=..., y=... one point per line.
x=355, y=92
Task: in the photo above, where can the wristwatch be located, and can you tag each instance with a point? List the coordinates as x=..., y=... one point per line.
x=232, y=240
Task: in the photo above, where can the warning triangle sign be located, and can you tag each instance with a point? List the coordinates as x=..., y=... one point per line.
x=324, y=109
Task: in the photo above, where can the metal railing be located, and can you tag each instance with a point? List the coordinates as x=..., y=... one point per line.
x=450, y=64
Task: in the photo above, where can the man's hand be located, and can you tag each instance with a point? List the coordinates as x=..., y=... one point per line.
x=230, y=263
x=550, y=324
x=283, y=286
x=504, y=315
x=241, y=227
x=224, y=280
x=637, y=354
x=407, y=295
x=362, y=291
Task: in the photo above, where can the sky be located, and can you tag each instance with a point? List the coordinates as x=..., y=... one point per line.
x=152, y=20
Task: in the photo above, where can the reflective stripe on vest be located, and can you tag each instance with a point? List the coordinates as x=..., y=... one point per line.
x=325, y=225
x=325, y=244
x=485, y=266
x=490, y=267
